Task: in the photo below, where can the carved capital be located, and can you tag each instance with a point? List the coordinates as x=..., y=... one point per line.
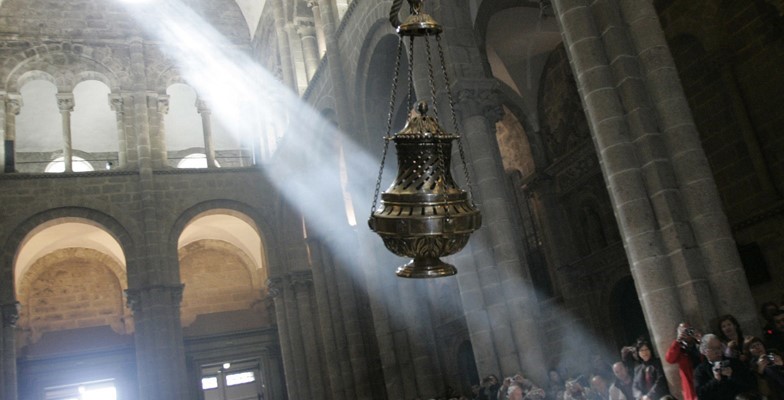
x=136, y=298
x=301, y=278
x=202, y=107
x=163, y=104
x=13, y=104
x=313, y=4
x=479, y=101
x=65, y=102
x=10, y=314
x=116, y=102
x=274, y=287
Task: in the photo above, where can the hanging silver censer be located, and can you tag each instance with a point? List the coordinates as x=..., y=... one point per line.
x=423, y=215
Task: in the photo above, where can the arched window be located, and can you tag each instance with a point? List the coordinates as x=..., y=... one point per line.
x=79, y=165
x=196, y=160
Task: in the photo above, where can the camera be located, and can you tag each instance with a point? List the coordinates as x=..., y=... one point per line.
x=718, y=365
x=690, y=331
x=770, y=357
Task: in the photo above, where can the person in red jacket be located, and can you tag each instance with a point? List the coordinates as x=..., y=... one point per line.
x=685, y=352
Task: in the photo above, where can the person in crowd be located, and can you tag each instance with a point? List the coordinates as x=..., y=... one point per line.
x=649, y=379
x=775, y=340
x=599, y=366
x=600, y=387
x=768, y=310
x=685, y=352
x=629, y=357
x=621, y=388
x=476, y=390
x=490, y=387
x=731, y=335
x=719, y=377
x=769, y=368
x=529, y=390
x=574, y=390
x=555, y=385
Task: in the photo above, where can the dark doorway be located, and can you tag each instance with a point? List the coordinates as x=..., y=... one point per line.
x=629, y=319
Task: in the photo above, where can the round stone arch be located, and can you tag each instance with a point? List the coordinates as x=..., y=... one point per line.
x=52, y=217
x=120, y=319
x=66, y=65
x=168, y=75
x=236, y=209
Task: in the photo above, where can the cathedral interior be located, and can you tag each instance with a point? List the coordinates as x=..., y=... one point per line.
x=185, y=186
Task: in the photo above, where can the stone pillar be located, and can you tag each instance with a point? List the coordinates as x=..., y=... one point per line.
x=322, y=41
x=116, y=104
x=154, y=289
x=297, y=58
x=421, y=340
x=13, y=104
x=206, y=125
x=302, y=287
x=310, y=52
x=160, y=107
x=499, y=287
x=65, y=102
x=705, y=216
x=330, y=320
x=275, y=287
x=8, y=378
x=286, y=63
x=159, y=347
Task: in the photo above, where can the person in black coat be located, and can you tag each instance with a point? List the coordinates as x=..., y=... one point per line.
x=719, y=377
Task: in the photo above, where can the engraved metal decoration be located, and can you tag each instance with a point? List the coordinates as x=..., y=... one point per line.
x=424, y=215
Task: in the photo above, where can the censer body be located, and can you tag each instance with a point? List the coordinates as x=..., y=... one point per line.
x=424, y=215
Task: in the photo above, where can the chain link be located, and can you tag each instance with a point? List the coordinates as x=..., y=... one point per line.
x=454, y=121
x=388, y=137
x=431, y=77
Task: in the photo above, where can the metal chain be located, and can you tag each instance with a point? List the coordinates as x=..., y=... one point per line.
x=410, y=100
x=431, y=76
x=454, y=121
x=387, y=137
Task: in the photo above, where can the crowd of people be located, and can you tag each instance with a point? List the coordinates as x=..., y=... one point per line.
x=723, y=365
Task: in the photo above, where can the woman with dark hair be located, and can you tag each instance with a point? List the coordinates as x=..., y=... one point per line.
x=731, y=336
x=769, y=367
x=649, y=380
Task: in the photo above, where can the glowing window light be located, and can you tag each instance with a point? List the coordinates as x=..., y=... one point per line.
x=196, y=160
x=102, y=393
x=240, y=378
x=78, y=164
x=209, y=382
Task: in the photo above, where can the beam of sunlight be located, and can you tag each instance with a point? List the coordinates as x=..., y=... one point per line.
x=252, y=103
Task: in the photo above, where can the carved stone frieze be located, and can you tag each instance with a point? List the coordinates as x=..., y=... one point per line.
x=65, y=102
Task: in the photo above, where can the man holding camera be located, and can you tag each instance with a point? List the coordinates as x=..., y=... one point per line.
x=718, y=377
x=685, y=352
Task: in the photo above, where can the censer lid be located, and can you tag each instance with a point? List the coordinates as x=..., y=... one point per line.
x=421, y=126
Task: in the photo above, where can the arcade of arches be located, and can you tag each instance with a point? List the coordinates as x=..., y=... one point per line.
x=184, y=182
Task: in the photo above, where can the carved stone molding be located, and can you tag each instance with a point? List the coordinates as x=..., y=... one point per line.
x=65, y=102
x=274, y=287
x=135, y=298
x=202, y=107
x=480, y=100
x=116, y=103
x=301, y=278
x=13, y=105
x=10, y=314
x=163, y=104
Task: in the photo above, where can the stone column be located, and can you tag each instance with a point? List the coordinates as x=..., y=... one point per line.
x=310, y=52
x=286, y=63
x=302, y=286
x=13, y=104
x=154, y=288
x=275, y=286
x=159, y=347
x=727, y=279
x=160, y=107
x=297, y=58
x=206, y=125
x=421, y=340
x=8, y=377
x=330, y=318
x=65, y=102
x=116, y=105
x=322, y=41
